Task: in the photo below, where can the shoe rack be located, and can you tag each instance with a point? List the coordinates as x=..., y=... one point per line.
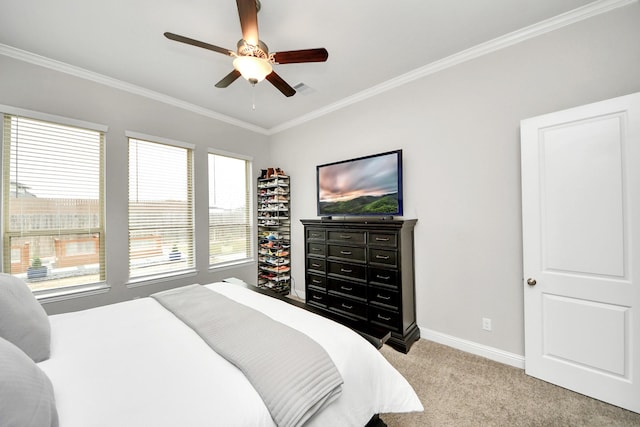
x=274, y=231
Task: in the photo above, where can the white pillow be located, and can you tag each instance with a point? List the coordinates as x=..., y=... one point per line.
x=26, y=393
x=23, y=321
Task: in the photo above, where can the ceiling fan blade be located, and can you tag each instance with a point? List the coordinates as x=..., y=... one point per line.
x=304, y=55
x=248, y=13
x=280, y=84
x=228, y=79
x=197, y=43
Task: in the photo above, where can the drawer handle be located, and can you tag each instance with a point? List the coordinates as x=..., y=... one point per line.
x=344, y=270
x=316, y=281
x=316, y=249
x=345, y=236
x=382, y=256
x=382, y=239
x=383, y=277
x=383, y=297
x=317, y=297
x=344, y=288
x=348, y=307
x=384, y=318
x=315, y=265
x=345, y=252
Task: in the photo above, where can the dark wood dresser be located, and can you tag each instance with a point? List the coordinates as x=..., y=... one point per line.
x=361, y=272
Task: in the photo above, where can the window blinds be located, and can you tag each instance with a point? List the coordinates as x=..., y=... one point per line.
x=53, y=196
x=161, y=236
x=230, y=225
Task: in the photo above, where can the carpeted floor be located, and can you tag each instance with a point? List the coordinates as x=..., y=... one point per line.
x=461, y=389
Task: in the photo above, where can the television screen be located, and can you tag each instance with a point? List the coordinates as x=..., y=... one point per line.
x=370, y=185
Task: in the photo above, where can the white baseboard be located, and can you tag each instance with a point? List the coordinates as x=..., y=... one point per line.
x=497, y=355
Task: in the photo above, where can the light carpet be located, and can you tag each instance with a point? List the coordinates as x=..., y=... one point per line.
x=461, y=389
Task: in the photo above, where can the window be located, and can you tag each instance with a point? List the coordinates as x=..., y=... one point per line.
x=230, y=225
x=53, y=198
x=160, y=207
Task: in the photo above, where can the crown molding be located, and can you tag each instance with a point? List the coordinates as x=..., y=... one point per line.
x=590, y=10
x=63, y=67
x=518, y=36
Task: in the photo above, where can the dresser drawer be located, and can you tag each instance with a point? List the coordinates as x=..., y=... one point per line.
x=316, y=281
x=388, y=298
x=350, y=289
x=352, y=271
x=355, y=237
x=349, y=253
x=385, y=318
x=314, y=248
x=348, y=307
x=381, y=256
x=383, y=239
x=316, y=264
x=317, y=298
x=315, y=234
x=384, y=277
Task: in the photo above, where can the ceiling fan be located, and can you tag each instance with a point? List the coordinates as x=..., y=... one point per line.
x=252, y=60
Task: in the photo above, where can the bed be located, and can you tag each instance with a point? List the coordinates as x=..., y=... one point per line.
x=135, y=363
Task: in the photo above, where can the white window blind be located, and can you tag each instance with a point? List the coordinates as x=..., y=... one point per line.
x=53, y=194
x=230, y=224
x=160, y=208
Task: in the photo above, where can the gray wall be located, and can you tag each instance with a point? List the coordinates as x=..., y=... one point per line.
x=39, y=89
x=459, y=130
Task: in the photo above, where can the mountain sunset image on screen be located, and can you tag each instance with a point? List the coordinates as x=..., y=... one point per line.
x=363, y=186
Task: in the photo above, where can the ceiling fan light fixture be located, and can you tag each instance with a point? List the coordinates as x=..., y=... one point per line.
x=252, y=68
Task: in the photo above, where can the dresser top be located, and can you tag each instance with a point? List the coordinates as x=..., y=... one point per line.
x=359, y=222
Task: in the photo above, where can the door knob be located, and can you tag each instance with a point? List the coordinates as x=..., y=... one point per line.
x=531, y=282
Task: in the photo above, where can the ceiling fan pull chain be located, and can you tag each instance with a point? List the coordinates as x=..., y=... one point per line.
x=253, y=97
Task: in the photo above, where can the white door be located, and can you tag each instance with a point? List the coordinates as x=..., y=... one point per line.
x=581, y=237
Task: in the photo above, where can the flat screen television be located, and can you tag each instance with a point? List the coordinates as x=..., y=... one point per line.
x=365, y=186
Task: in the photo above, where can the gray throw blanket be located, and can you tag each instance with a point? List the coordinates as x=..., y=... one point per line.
x=293, y=374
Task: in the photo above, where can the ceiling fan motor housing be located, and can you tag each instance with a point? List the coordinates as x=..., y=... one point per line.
x=259, y=51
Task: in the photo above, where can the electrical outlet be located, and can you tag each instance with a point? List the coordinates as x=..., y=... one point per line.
x=486, y=324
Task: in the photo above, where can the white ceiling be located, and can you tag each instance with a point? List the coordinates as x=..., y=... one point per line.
x=370, y=44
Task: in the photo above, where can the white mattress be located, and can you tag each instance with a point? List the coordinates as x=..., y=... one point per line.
x=134, y=363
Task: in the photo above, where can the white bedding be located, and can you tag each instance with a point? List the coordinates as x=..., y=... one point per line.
x=135, y=364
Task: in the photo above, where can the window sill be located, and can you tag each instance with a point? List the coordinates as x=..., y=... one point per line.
x=231, y=264
x=61, y=294
x=151, y=280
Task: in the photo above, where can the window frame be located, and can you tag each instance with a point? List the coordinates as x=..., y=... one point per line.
x=190, y=271
x=251, y=217
x=72, y=291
